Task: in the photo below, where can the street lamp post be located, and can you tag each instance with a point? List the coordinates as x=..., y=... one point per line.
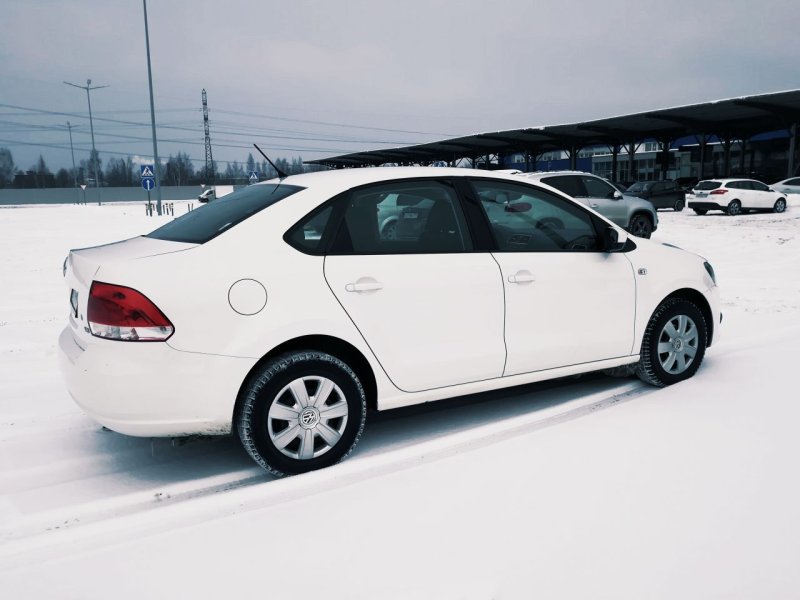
x=74, y=171
x=88, y=87
x=156, y=165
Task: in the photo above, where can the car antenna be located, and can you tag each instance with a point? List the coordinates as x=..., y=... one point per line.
x=280, y=173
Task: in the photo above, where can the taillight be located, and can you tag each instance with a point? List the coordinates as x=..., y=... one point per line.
x=121, y=313
x=716, y=192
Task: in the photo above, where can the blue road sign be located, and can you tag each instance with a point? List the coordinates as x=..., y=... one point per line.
x=147, y=171
x=253, y=176
x=148, y=183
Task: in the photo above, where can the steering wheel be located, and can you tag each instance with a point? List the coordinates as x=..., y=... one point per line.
x=582, y=242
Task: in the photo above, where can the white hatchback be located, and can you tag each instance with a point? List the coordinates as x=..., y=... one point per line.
x=733, y=196
x=283, y=311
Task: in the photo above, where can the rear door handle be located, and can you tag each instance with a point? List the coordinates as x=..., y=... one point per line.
x=521, y=277
x=364, y=285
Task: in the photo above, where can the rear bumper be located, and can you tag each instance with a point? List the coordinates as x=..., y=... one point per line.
x=149, y=388
x=705, y=205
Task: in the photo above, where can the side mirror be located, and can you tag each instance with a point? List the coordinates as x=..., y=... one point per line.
x=613, y=239
x=617, y=195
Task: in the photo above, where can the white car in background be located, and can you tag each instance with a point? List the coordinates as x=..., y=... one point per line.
x=733, y=196
x=280, y=311
x=788, y=186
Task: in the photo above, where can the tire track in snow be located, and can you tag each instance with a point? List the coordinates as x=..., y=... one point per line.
x=145, y=512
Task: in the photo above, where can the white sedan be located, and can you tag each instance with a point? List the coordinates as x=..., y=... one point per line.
x=280, y=311
x=733, y=196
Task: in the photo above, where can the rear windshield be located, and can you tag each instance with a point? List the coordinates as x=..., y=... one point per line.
x=207, y=222
x=708, y=185
x=639, y=187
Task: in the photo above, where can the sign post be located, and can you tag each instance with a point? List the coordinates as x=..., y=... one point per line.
x=148, y=180
x=83, y=187
x=253, y=177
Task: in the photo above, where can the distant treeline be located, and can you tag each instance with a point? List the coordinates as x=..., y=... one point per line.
x=123, y=172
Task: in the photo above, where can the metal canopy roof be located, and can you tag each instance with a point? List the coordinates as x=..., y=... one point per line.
x=735, y=117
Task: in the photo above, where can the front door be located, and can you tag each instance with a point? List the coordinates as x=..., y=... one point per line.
x=428, y=305
x=567, y=302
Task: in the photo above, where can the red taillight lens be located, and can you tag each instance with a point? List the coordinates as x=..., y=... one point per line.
x=716, y=192
x=121, y=313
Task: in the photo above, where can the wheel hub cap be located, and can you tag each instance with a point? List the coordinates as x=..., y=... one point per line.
x=307, y=417
x=678, y=344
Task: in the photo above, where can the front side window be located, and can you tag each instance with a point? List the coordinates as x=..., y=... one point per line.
x=403, y=218
x=597, y=188
x=209, y=221
x=530, y=219
x=793, y=182
x=570, y=185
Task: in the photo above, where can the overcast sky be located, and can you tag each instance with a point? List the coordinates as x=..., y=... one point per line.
x=402, y=72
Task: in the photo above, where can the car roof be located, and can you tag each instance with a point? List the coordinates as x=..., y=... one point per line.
x=347, y=178
x=538, y=174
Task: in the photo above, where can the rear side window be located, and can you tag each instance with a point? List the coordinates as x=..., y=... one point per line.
x=793, y=182
x=707, y=185
x=639, y=186
x=207, y=222
x=571, y=185
x=422, y=217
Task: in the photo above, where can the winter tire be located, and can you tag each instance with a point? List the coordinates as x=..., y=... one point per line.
x=300, y=412
x=674, y=343
x=780, y=205
x=679, y=204
x=641, y=226
x=734, y=208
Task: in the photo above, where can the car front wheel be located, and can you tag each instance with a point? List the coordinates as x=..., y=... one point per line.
x=679, y=204
x=780, y=205
x=641, y=226
x=300, y=412
x=674, y=343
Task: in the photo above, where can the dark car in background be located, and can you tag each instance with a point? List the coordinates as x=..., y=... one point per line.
x=663, y=194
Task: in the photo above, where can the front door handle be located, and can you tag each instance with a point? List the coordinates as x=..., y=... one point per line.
x=594, y=205
x=364, y=284
x=521, y=277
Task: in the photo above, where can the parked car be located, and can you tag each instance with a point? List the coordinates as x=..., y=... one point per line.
x=212, y=193
x=401, y=215
x=788, y=186
x=279, y=312
x=662, y=194
x=633, y=214
x=732, y=196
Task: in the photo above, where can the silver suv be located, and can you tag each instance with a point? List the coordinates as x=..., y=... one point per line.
x=636, y=215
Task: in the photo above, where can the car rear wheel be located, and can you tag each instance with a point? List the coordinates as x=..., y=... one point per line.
x=300, y=412
x=390, y=232
x=674, y=343
x=734, y=208
x=641, y=226
x=780, y=205
x=679, y=204
x=700, y=211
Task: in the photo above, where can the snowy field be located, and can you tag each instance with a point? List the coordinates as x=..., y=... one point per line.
x=581, y=488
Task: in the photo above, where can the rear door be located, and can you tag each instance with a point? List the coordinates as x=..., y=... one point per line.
x=428, y=304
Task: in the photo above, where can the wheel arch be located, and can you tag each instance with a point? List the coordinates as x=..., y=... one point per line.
x=699, y=300
x=334, y=346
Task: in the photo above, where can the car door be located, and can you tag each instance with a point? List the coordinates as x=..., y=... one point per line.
x=567, y=302
x=658, y=195
x=761, y=195
x=428, y=304
x=606, y=200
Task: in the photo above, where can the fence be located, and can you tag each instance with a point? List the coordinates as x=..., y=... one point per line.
x=106, y=194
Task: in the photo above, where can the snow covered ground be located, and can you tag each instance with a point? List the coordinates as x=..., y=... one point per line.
x=589, y=487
